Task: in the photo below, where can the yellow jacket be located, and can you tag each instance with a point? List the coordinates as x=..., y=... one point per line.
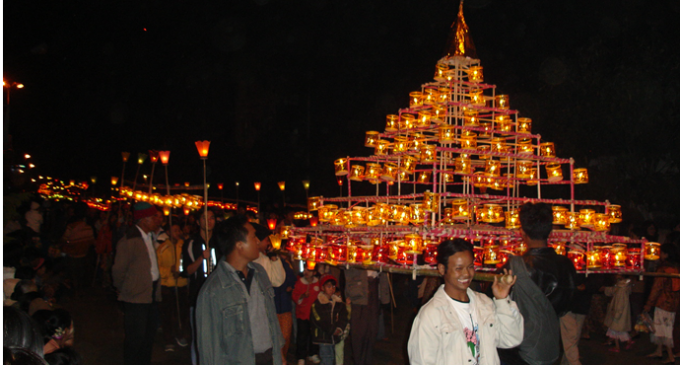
x=166, y=260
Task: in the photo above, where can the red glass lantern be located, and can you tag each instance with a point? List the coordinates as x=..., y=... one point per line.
x=271, y=223
x=203, y=147
x=164, y=156
x=153, y=155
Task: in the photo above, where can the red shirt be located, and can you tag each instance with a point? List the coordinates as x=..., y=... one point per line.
x=303, y=306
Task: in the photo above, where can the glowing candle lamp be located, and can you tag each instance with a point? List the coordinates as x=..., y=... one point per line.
x=341, y=166
x=652, y=251
x=471, y=118
x=477, y=97
x=492, y=168
x=580, y=176
x=313, y=203
x=407, y=121
x=423, y=119
x=428, y=153
x=614, y=212
x=524, y=146
x=483, y=151
x=468, y=140
x=594, y=259
x=444, y=95
x=371, y=139
x=559, y=247
x=524, y=169
x=460, y=209
x=430, y=255
x=430, y=96
x=601, y=222
x=447, y=134
x=487, y=129
x=392, y=124
x=586, y=217
x=559, y=215
x=356, y=173
x=431, y=202
x=524, y=125
x=502, y=101
x=572, y=221
x=475, y=74
x=414, y=243
x=415, y=99
x=389, y=172
x=462, y=165
x=512, y=219
x=547, y=149
x=577, y=258
x=400, y=144
x=417, y=214
x=554, y=171
x=491, y=255
x=382, y=148
x=440, y=71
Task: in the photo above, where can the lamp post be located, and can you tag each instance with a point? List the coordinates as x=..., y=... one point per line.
x=5, y=123
x=305, y=183
x=203, y=147
x=258, y=185
x=140, y=160
x=114, y=181
x=339, y=179
x=237, y=184
x=282, y=186
x=165, y=158
x=126, y=156
x=220, y=186
x=153, y=156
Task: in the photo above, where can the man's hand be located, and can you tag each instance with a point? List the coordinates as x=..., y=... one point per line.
x=501, y=288
x=206, y=253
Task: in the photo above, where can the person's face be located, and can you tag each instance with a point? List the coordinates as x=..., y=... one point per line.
x=308, y=273
x=329, y=287
x=250, y=248
x=460, y=272
x=158, y=219
x=176, y=232
x=264, y=244
x=211, y=221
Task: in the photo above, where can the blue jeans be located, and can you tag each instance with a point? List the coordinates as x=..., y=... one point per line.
x=327, y=353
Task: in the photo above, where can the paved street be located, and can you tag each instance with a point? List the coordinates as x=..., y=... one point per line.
x=99, y=337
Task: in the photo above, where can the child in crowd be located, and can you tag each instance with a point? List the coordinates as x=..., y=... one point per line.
x=329, y=319
x=617, y=319
x=304, y=294
x=665, y=300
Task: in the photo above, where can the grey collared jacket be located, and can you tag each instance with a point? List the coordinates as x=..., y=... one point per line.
x=222, y=319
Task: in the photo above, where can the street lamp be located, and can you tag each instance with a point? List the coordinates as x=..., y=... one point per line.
x=5, y=122
x=153, y=155
x=165, y=158
x=237, y=184
x=203, y=147
x=141, y=157
x=282, y=186
x=305, y=183
x=258, y=185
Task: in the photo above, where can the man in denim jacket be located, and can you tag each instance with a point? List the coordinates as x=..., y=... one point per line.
x=235, y=313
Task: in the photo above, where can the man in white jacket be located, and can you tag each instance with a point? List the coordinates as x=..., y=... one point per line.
x=458, y=325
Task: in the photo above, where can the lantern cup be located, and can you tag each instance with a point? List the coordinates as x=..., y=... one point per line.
x=424, y=177
x=341, y=167
x=605, y=256
x=164, y=156
x=524, y=125
x=275, y=239
x=572, y=221
x=614, y=212
x=601, y=222
x=523, y=169
x=559, y=247
x=271, y=224
x=554, y=171
x=559, y=215
x=282, y=185
x=417, y=214
x=459, y=209
x=382, y=148
x=392, y=124
x=652, y=251
x=475, y=74
x=502, y=101
x=494, y=213
x=372, y=138
x=477, y=97
x=203, y=148
x=491, y=255
x=577, y=258
x=619, y=254
x=524, y=146
x=580, y=176
x=285, y=232
x=547, y=149
x=594, y=260
x=389, y=172
x=586, y=218
x=313, y=203
x=428, y=153
x=512, y=219
x=126, y=156
x=356, y=173
x=447, y=134
x=430, y=202
x=415, y=99
x=414, y=243
x=633, y=259
x=430, y=255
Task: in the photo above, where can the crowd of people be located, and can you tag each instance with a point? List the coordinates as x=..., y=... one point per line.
x=213, y=282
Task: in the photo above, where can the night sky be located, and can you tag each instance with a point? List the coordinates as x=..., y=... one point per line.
x=282, y=88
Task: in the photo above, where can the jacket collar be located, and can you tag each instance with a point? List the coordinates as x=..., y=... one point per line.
x=225, y=272
x=441, y=301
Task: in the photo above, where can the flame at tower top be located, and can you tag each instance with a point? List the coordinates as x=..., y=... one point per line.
x=459, y=42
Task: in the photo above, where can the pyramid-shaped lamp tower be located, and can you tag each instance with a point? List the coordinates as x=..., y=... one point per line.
x=458, y=156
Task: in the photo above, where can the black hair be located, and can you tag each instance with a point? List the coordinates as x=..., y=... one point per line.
x=20, y=330
x=24, y=273
x=536, y=220
x=200, y=213
x=229, y=232
x=64, y=356
x=449, y=248
x=51, y=321
x=672, y=251
x=14, y=355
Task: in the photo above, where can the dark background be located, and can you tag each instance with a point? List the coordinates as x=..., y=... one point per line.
x=282, y=88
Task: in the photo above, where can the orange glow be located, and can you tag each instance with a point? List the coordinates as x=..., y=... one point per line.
x=271, y=223
x=203, y=147
x=282, y=185
x=220, y=186
x=164, y=156
x=258, y=185
x=141, y=157
x=126, y=156
x=153, y=155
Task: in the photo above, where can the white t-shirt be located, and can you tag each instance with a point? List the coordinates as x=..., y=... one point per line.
x=468, y=319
